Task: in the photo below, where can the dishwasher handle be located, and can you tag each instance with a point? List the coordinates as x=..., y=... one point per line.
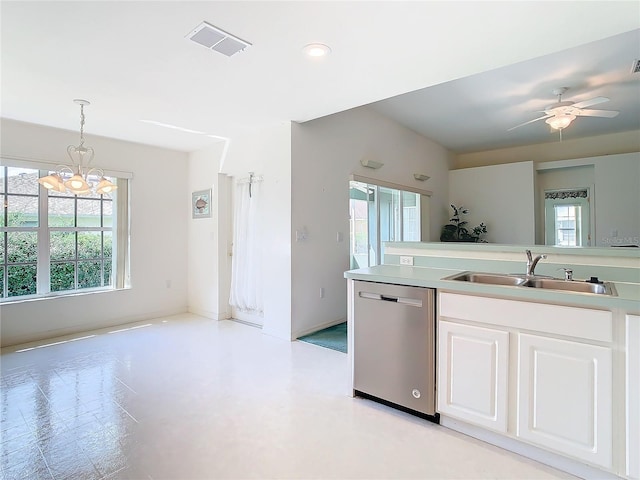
x=390, y=298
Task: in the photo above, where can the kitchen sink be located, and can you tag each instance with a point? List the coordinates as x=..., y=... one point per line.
x=489, y=278
x=604, y=288
x=546, y=283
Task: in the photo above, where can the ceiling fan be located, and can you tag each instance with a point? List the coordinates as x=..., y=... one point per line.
x=560, y=114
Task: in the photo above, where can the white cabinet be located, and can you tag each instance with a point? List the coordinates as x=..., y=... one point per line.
x=633, y=396
x=539, y=373
x=472, y=374
x=565, y=396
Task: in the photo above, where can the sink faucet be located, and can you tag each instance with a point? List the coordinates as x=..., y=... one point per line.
x=532, y=262
x=568, y=274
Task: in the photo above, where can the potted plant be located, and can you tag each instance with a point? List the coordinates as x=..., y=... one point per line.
x=457, y=230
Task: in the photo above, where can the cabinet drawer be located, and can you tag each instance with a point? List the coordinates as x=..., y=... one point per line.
x=554, y=319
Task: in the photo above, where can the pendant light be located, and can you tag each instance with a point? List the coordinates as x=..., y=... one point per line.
x=77, y=181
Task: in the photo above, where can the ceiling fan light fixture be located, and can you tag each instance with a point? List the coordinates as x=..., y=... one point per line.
x=559, y=122
x=560, y=114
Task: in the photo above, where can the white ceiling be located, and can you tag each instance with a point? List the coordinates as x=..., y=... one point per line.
x=133, y=62
x=475, y=113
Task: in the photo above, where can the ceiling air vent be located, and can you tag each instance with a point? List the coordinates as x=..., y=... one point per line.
x=636, y=66
x=213, y=38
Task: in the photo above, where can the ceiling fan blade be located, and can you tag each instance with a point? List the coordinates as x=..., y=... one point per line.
x=530, y=121
x=598, y=113
x=591, y=101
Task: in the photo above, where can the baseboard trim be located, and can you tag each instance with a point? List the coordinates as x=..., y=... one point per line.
x=209, y=314
x=573, y=467
x=246, y=317
x=316, y=328
x=46, y=335
x=93, y=329
x=244, y=322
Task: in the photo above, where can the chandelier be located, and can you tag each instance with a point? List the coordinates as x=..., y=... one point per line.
x=77, y=177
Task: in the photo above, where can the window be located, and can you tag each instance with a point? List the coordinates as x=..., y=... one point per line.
x=80, y=241
x=20, y=221
x=567, y=225
x=381, y=214
x=52, y=242
x=567, y=218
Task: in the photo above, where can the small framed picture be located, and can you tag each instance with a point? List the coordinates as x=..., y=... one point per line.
x=201, y=204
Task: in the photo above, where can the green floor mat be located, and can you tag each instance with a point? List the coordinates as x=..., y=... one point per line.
x=334, y=338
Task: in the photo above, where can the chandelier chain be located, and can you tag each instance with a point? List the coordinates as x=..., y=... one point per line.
x=81, y=124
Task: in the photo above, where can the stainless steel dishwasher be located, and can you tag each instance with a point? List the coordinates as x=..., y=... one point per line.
x=394, y=345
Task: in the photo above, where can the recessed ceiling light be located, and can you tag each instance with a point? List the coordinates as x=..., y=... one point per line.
x=316, y=50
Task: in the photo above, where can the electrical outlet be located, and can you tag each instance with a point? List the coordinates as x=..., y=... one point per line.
x=405, y=260
x=321, y=292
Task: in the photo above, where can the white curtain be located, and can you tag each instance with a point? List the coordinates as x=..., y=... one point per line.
x=246, y=262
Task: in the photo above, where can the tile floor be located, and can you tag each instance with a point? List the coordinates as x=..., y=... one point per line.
x=186, y=397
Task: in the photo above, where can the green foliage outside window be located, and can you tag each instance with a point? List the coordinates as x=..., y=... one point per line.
x=89, y=275
x=21, y=280
x=62, y=246
x=23, y=248
x=62, y=276
x=77, y=259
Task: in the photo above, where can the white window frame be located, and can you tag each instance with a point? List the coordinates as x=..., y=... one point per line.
x=120, y=278
x=583, y=225
x=423, y=209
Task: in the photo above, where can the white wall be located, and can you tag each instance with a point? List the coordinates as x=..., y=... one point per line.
x=617, y=199
x=325, y=152
x=159, y=215
x=209, y=238
x=501, y=196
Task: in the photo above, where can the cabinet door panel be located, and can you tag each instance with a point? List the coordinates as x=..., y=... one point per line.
x=565, y=396
x=472, y=379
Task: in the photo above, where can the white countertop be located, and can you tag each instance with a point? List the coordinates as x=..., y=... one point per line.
x=628, y=298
